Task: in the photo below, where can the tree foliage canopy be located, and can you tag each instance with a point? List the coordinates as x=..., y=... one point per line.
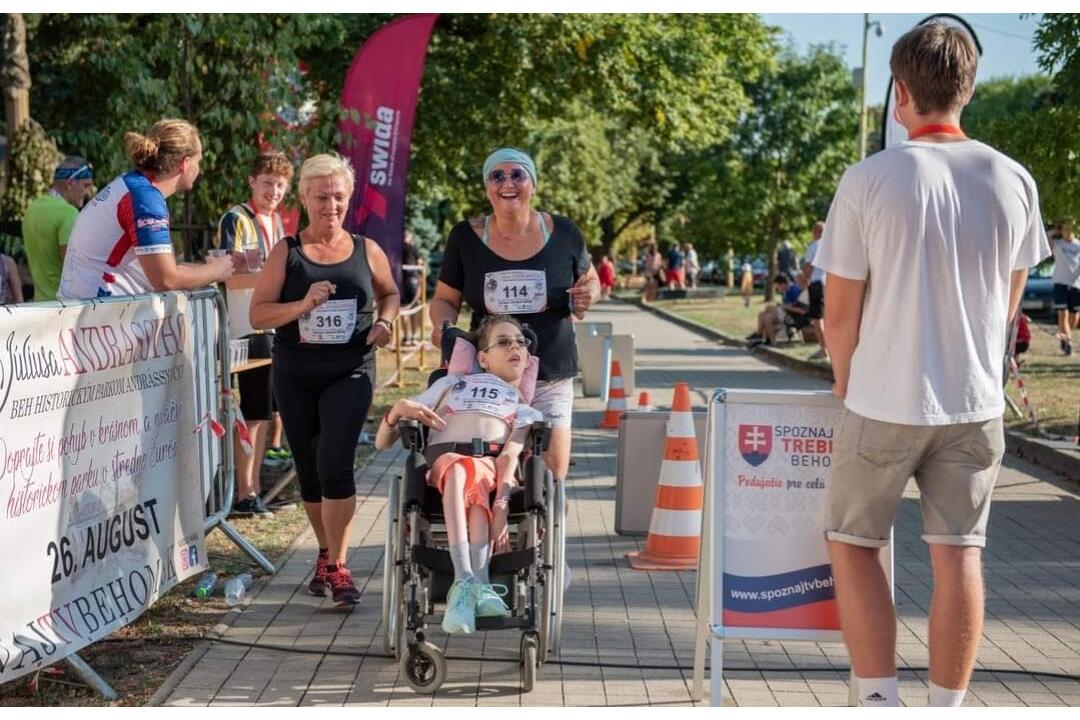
x=701, y=126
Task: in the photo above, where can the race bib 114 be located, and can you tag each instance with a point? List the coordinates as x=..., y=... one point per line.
x=515, y=292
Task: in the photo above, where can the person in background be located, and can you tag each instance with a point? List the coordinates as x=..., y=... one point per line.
x=813, y=279
x=121, y=243
x=651, y=269
x=10, y=282
x=676, y=272
x=771, y=320
x=410, y=290
x=746, y=283
x=48, y=221
x=927, y=247
x=1066, y=279
x=250, y=231
x=1023, y=337
x=693, y=267
x=606, y=272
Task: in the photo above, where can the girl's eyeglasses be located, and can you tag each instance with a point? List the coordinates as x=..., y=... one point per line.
x=506, y=343
x=498, y=176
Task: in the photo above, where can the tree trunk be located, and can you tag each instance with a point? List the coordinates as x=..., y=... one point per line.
x=15, y=75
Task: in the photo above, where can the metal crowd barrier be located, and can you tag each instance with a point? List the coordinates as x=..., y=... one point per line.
x=211, y=388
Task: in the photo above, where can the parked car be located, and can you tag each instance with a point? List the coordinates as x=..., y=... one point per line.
x=1039, y=291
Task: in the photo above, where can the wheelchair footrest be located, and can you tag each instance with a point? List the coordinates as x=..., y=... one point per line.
x=496, y=623
x=433, y=559
x=511, y=562
x=501, y=564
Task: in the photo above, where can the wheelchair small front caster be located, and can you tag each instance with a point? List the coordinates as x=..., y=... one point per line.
x=424, y=667
x=530, y=647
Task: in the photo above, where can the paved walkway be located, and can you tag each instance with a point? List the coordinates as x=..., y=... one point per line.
x=621, y=617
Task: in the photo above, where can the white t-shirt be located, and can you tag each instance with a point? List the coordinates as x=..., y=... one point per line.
x=1066, y=263
x=936, y=229
x=482, y=393
x=128, y=218
x=816, y=273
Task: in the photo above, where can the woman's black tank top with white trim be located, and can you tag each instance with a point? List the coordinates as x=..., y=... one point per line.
x=351, y=276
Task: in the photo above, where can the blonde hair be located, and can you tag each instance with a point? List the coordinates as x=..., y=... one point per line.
x=325, y=165
x=161, y=150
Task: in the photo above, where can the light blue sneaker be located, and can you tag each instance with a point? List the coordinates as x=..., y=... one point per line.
x=489, y=600
x=460, y=617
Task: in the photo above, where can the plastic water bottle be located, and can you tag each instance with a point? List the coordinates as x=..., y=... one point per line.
x=205, y=587
x=236, y=587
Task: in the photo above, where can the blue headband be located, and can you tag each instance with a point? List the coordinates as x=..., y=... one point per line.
x=80, y=172
x=510, y=155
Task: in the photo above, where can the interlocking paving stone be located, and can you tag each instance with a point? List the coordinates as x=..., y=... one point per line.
x=1032, y=567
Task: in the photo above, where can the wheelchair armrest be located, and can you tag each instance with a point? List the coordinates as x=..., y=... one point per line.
x=411, y=434
x=540, y=436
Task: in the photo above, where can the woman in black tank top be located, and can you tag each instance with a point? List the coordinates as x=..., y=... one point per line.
x=333, y=301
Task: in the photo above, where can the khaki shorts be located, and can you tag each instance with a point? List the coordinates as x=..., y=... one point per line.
x=555, y=399
x=955, y=467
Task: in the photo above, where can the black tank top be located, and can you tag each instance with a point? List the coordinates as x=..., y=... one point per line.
x=352, y=276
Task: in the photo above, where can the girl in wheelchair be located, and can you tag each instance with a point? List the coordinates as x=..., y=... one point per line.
x=458, y=409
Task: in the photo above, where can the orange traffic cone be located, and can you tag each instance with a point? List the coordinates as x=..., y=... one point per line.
x=675, y=528
x=644, y=403
x=616, y=404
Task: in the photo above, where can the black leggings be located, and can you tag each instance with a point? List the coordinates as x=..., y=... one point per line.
x=324, y=401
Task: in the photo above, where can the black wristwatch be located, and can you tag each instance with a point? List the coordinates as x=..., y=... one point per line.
x=389, y=325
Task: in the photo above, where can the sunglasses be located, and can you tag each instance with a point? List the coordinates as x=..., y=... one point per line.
x=508, y=342
x=499, y=176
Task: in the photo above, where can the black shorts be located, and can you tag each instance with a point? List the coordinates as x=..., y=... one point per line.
x=817, y=301
x=410, y=288
x=256, y=390
x=1066, y=297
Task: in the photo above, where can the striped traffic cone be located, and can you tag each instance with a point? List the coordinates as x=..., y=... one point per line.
x=675, y=528
x=644, y=403
x=616, y=404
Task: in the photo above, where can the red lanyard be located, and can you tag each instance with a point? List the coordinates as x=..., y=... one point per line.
x=936, y=129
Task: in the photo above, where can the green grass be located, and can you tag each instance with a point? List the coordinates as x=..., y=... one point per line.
x=1051, y=379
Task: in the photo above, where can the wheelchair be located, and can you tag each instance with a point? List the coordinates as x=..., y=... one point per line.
x=418, y=572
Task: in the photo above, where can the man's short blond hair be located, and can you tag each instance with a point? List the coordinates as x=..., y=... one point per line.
x=325, y=165
x=937, y=63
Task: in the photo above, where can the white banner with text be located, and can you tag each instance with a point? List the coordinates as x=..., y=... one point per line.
x=101, y=509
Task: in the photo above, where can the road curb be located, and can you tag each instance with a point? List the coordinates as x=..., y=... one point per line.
x=1034, y=451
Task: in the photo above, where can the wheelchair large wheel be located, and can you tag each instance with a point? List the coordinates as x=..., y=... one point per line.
x=530, y=646
x=391, y=590
x=559, y=575
x=546, y=611
x=423, y=667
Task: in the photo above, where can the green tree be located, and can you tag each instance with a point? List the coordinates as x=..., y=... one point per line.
x=780, y=171
x=100, y=75
x=1034, y=119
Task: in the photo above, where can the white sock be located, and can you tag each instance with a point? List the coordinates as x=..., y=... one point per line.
x=944, y=697
x=459, y=555
x=479, y=556
x=878, y=692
